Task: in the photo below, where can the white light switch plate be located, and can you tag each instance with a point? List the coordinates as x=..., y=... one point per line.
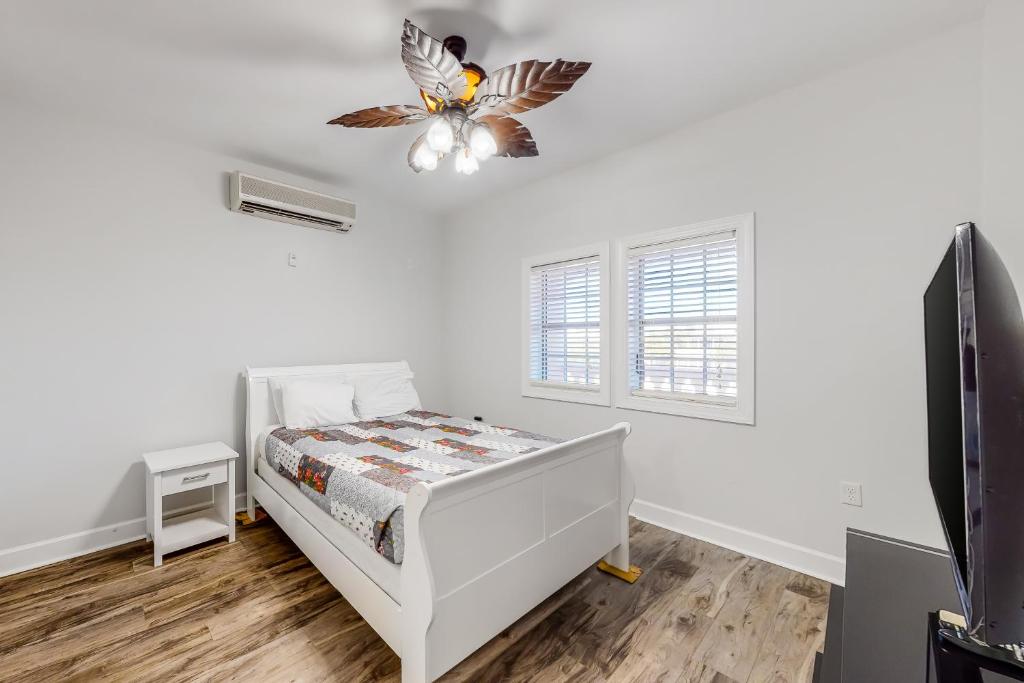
x=293, y=260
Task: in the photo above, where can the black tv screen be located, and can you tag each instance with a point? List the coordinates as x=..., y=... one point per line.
x=974, y=349
x=945, y=415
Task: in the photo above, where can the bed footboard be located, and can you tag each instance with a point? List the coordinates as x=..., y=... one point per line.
x=484, y=548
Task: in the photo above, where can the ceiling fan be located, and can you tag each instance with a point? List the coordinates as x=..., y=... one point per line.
x=467, y=110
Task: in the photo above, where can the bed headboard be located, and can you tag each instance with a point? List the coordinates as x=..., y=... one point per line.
x=260, y=412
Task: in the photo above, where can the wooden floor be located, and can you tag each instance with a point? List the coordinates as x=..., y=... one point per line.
x=257, y=610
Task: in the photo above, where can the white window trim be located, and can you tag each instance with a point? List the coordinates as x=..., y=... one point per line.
x=600, y=395
x=743, y=411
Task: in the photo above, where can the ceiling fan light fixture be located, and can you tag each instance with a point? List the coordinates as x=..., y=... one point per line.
x=425, y=158
x=466, y=163
x=482, y=142
x=440, y=137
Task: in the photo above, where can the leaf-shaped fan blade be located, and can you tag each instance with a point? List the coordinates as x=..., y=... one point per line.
x=379, y=117
x=429, y=63
x=513, y=138
x=527, y=85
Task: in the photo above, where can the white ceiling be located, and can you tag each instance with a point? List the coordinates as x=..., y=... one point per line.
x=258, y=79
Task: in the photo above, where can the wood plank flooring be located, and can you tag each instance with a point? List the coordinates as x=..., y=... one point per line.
x=257, y=610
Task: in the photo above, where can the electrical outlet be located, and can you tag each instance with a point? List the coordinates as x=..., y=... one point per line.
x=850, y=494
x=293, y=260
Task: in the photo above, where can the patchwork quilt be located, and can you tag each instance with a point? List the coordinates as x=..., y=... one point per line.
x=360, y=472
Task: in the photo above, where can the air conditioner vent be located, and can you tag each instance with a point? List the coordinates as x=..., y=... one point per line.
x=288, y=204
x=248, y=207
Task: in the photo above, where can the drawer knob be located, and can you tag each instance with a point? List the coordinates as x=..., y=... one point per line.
x=194, y=477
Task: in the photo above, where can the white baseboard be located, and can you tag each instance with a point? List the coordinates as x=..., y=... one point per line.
x=798, y=558
x=831, y=568
x=32, y=555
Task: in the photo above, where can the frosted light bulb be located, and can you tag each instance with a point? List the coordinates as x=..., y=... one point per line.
x=425, y=158
x=482, y=142
x=466, y=163
x=440, y=136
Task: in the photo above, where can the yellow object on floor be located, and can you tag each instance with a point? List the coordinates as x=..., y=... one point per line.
x=244, y=518
x=629, y=577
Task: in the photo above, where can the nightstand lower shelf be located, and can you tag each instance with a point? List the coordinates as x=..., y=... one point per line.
x=195, y=527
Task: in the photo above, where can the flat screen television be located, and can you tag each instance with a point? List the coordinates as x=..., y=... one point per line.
x=974, y=345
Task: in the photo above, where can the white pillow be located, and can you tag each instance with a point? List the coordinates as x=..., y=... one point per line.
x=277, y=385
x=385, y=393
x=307, y=404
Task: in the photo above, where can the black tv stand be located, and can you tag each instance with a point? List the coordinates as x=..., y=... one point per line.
x=955, y=657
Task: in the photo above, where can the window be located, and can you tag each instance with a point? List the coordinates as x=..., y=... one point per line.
x=565, y=323
x=688, y=296
x=566, y=326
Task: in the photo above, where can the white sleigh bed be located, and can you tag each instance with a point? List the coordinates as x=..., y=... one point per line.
x=536, y=522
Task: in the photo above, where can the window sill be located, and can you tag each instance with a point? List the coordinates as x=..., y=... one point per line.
x=597, y=397
x=739, y=414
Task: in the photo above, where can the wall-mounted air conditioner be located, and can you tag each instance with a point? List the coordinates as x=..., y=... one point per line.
x=288, y=204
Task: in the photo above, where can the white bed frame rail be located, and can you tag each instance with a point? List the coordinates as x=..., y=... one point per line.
x=481, y=549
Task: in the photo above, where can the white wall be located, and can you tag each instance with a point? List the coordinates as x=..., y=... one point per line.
x=857, y=181
x=1003, y=221
x=131, y=300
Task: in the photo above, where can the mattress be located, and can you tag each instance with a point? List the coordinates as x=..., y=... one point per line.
x=359, y=473
x=387, y=575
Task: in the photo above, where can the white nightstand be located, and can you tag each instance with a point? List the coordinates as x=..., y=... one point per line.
x=185, y=469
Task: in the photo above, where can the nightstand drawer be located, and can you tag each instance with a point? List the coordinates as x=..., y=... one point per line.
x=188, y=478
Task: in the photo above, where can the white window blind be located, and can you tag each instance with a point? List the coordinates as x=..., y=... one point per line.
x=682, y=302
x=565, y=323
